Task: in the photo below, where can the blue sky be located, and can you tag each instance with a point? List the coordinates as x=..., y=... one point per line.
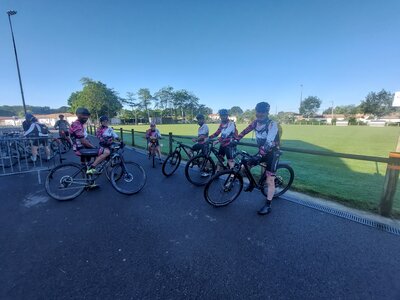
x=226, y=52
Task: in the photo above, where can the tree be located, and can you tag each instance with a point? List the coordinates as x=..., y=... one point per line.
x=236, y=111
x=285, y=117
x=378, y=104
x=346, y=110
x=165, y=96
x=97, y=98
x=309, y=106
x=133, y=103
x=145, y=100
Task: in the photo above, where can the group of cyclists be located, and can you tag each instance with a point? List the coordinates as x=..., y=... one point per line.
x=266, y=133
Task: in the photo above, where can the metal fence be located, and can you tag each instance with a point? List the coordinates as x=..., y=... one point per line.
x=16, y=153
x=388, y=186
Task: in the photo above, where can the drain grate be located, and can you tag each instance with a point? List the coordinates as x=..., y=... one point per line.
x=346, y=215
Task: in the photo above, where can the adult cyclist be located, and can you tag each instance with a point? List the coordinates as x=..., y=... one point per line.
x=81, y=145
x=228, y=131
x=267, y=138
x=62, y=126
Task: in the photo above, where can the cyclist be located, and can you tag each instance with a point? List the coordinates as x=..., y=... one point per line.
x=153, y=135
x=39, y=132
x=202, y=135
x=81, y=144
x=63, y=127
x=267, y=138
x=228, y=131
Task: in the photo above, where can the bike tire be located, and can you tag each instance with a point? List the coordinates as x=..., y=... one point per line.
x=195, y=166
x=65, y=180
x=283, y=180
x=174, y=159
x=9, y=156
x=220, y=184
x=128, y=172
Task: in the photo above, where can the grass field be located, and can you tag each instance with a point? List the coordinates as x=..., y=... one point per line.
x=352, y=182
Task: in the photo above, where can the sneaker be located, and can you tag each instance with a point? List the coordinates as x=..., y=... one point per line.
x=266, y=209
x=204, y=174
x=91, y=171
x=160, y=160
x=33, y=158
x=48, y=157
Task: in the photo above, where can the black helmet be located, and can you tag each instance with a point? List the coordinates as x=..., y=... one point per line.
x=29, y=117
x=82, y=111
x=103, y=118
x=262, y=107
x=223, y=112
x=200, y=117
x=61, y=116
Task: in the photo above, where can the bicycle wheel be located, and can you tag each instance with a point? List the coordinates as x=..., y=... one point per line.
x=171, y=163
x=66, y=181
x=60, y=146
x=8, y=155
x=199, y=170
x=128, y=178
x=223, y=188
x=67, y=146
x=283, y=180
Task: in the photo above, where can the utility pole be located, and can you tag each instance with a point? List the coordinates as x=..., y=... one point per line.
x=332, y=113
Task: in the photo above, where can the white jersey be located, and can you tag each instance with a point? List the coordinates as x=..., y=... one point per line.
x=203, y=130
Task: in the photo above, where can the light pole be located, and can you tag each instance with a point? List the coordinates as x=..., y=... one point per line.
x=332, y=114
x=11, y=13
x=301, y=96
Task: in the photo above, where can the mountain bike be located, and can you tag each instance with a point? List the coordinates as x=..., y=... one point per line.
x=226, y=186
x=172, y=162
x=67, y=181
x=62, y=143
x=200, y=168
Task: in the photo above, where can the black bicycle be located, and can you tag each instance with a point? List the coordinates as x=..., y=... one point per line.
x=67, y=181
x=61, y=144
x=173, y=160
x=200, y=168
x=226, y=186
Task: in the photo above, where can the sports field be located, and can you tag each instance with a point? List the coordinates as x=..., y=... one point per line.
x=353, y=182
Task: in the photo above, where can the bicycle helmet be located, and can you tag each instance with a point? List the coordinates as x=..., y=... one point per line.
x=82, y=111
x=223, y=112
x=29, y=117
x=200, y=117
x=262, y=107
x=103, y=118
x=61, y=116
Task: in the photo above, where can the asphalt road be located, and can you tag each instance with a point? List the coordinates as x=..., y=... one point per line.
x=168, y=243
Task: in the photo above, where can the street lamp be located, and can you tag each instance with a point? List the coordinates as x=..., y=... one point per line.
x=11, y=13
x=301, y=96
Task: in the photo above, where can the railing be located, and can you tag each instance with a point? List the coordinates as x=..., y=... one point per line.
x=136, y=138
x=16, y=154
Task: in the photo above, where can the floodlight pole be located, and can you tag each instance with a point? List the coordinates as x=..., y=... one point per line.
x=11, y=13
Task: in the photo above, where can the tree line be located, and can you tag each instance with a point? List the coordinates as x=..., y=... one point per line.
x=180, y=105
x=166, y=103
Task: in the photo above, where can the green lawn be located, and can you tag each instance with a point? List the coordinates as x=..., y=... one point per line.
x=352, y=182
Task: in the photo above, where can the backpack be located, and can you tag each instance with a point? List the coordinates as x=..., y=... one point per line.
x=43, y=129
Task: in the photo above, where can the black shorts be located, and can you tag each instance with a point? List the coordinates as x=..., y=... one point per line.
x=200, y=147
x=271, y=160
x=38, y=142
x=227, y=151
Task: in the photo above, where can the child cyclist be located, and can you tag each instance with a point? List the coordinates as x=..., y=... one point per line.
x=153, y=135
x=202, y=135
x=106, y=136
x=228, y=132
